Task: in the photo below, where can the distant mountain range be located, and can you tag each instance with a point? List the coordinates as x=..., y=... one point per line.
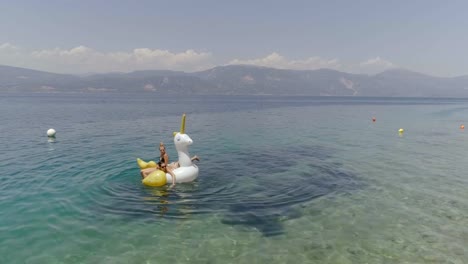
x=238, y=80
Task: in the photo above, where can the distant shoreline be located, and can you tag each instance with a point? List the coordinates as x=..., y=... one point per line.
x=155, y=95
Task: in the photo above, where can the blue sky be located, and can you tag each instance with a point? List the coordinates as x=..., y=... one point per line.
x=351, y=36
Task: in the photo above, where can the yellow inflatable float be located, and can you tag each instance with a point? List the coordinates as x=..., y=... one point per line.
x=145, y=165
x=155, y=179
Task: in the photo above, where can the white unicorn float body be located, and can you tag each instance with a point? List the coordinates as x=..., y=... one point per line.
x=186, y=172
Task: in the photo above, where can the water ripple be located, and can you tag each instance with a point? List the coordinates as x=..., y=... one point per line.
x=258, y=198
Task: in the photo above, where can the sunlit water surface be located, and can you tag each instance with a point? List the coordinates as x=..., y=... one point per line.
x=282, y=180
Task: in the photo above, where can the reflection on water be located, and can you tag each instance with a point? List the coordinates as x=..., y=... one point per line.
x=159, y=197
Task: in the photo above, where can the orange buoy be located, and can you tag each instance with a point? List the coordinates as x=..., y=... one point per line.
x=462, y=127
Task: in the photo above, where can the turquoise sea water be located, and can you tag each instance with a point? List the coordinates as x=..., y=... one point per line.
x=282, y=180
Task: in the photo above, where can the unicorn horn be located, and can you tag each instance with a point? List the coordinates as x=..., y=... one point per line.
x=182, y=125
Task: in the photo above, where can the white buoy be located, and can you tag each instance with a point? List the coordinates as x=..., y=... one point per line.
x=51, y=132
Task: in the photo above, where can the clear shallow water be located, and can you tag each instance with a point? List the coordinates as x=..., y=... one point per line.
x=282, y=180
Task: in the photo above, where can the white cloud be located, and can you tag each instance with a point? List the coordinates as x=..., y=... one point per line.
x=11, y=55
x=78, y=51
x=275, y=60
x=8, y=47
x=82, y=59
x=377, y=61
x=374, y=65
x=189, y=59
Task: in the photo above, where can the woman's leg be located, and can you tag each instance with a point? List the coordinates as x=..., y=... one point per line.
x=145, y=172
x=169, y=170
x=174, y=165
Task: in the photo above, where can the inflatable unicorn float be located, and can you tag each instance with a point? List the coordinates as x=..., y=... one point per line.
x=187, y=172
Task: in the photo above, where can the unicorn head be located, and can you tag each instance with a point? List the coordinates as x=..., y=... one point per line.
x=181, y=142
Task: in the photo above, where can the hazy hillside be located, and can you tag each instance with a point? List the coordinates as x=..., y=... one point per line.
x=14, y=79
x=239, y=80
